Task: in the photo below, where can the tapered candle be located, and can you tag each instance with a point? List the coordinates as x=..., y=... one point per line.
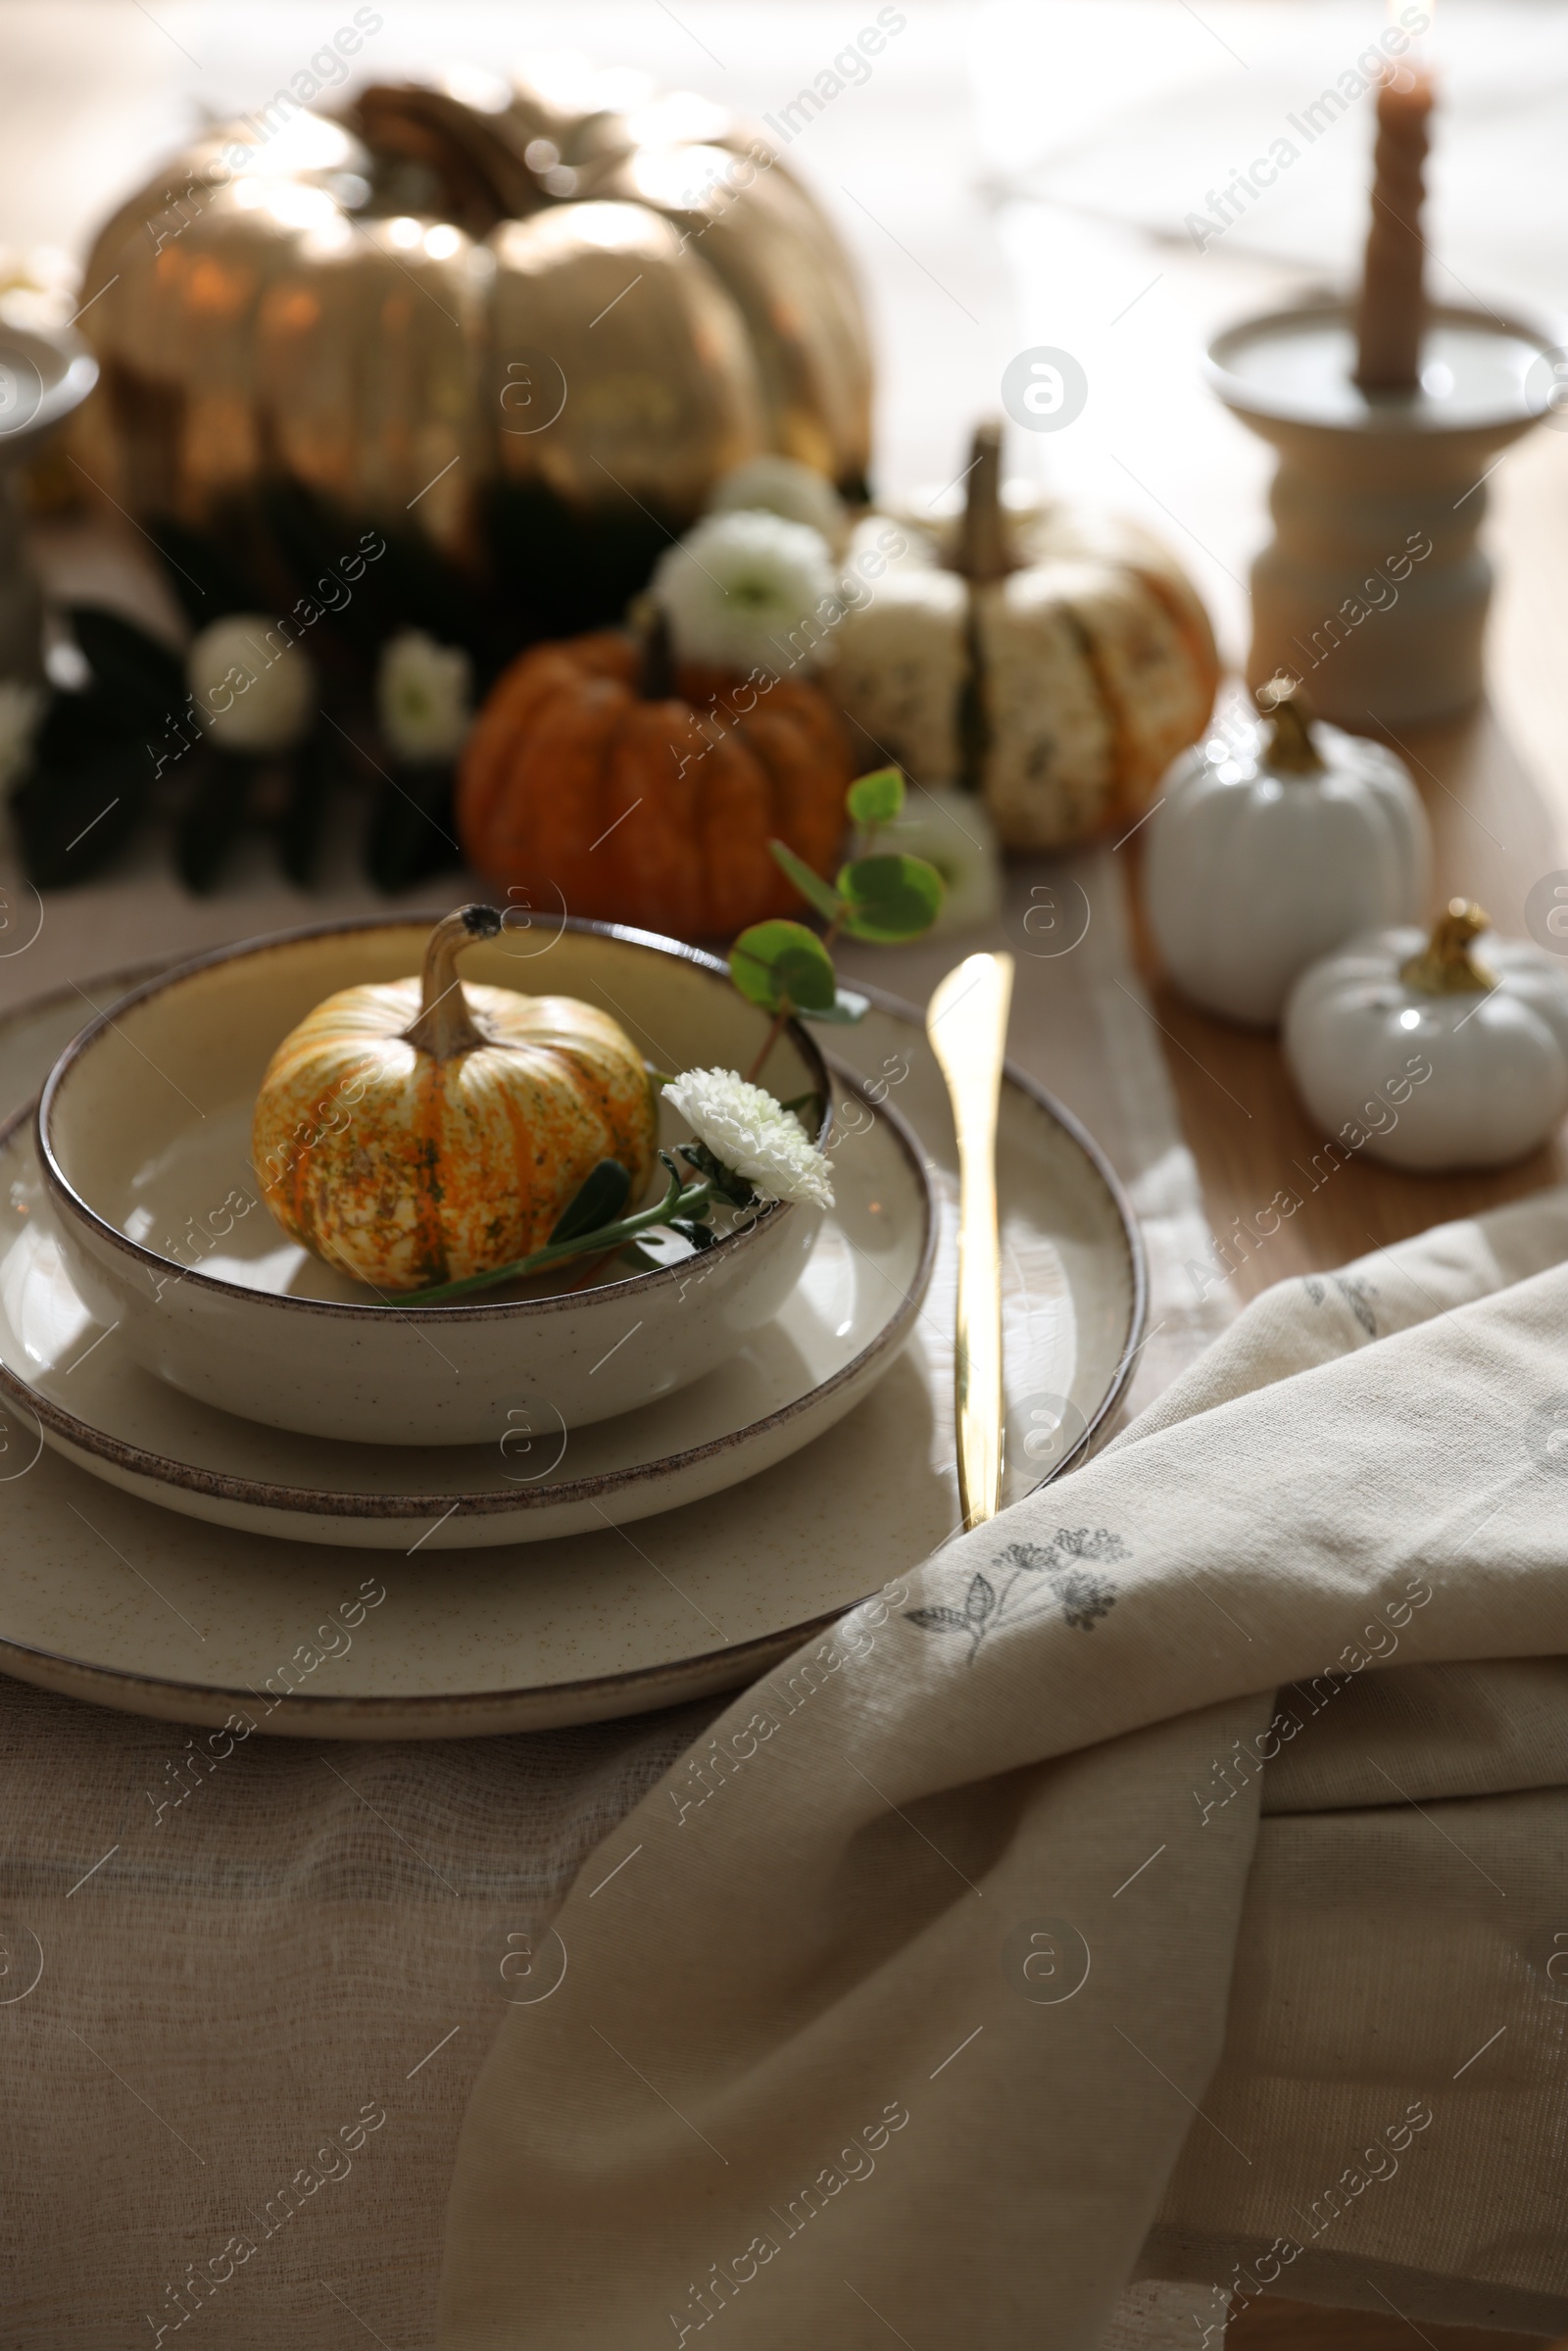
x=1392, y=311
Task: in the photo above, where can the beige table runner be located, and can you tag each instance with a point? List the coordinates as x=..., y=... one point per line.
x=901, y=2005
x=227, y=1983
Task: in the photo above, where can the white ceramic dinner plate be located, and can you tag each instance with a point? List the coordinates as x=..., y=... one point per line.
x=108, y=1596
x=836, y=1336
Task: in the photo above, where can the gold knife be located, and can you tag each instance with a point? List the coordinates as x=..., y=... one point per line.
x=967, y=1021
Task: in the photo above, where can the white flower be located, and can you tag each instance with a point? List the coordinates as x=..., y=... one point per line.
x=750, y=1131
x=782, y=487
x=422, y=696
x=20, y=707
x=747, y=592
x=952, y=831
x=252, y=685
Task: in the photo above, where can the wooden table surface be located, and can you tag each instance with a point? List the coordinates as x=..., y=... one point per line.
x=1495, y=788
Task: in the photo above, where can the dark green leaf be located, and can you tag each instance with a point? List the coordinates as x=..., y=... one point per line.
x=779, y=963
x=701, y=1236
x=598, y=1201
x=876, y=799
x=725, y=1182
x=79, y=728
x=209, y=571
x=410, y=834
x=146, y=678
x=73, y=821
x=313, y=768
x=891, y=898
x=844, y=1011
x=812, y=887
x=222, y=788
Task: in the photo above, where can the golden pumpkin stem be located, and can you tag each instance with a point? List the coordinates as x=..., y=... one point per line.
x=982, y=552
x=445, y=1026
x=1290, y=749
x=1445, y=966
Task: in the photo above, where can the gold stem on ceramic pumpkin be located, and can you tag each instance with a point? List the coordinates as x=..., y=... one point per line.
x=982, y=551
x=1290, y=749
x=1445, y=966
x=445, y=1026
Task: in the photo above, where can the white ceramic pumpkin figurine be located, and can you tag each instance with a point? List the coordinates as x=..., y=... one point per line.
x=1261, y=859
x=1427, y=1054
x=418, y=1132
x=1053, y=660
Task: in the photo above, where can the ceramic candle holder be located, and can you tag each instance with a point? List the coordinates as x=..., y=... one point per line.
x=1374, y=590
x=43, y=376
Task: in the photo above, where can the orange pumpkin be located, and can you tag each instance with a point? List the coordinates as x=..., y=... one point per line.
x=649, y=794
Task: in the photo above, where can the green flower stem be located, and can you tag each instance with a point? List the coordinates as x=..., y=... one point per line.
x=679, y=1201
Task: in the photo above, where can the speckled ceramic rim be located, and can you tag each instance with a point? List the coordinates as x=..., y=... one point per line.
x=482, y=1713
x=418, y=1509
x=70, y=1201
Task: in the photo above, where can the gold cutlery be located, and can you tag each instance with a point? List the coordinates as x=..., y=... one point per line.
x=967, y=1021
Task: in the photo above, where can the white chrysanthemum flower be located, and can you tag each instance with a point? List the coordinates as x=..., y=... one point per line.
x=422, y=696
x=953, y=832
x=254, y=687
x=782, y=487
x=20, y=707
x=750, y=1131
x=747, y=592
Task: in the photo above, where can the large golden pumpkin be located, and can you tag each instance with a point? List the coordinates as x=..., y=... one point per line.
x=480, y=322
x=420, y=1131
x=1054, y=659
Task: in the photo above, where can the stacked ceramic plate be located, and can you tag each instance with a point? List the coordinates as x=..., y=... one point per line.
x=585, y=1503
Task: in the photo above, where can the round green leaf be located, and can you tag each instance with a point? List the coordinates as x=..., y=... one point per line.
x=891, y=898
x=876, y=799
x=779, y=963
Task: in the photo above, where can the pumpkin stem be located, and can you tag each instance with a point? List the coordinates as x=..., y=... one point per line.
x=656, y=672
x=445, y=1026
x=1290, y=749
x=1445, y=966
x=982, y=551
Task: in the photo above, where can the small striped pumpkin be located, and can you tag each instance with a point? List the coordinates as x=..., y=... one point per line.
x=1054, y=661
x=419, y=1131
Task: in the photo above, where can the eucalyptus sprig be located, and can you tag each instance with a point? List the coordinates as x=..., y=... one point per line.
x=591, y=1223
x=884, y=898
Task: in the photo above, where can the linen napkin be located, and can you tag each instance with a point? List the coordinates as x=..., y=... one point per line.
x=900, y=2007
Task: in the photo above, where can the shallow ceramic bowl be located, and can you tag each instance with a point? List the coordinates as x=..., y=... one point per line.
x=144, y=1141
